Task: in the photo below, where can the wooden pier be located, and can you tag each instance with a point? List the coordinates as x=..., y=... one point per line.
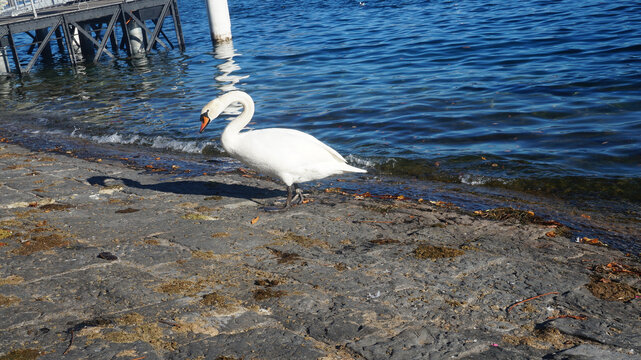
x=82, y=31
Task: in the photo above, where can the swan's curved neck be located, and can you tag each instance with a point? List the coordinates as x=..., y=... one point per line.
x=237, y=124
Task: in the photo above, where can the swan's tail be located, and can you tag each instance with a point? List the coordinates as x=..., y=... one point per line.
x=350, y=168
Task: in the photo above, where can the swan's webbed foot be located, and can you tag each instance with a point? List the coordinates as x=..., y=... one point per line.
x=291, y=198
x=294, y=196
x=298, y=198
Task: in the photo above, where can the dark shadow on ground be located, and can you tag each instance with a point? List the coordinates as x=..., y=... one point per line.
x=192, y=187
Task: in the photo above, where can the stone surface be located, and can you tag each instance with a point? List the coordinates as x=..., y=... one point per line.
x=200, y=271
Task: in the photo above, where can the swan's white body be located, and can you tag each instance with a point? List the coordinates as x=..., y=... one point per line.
x=290, y=155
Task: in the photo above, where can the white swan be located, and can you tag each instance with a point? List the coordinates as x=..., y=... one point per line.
x=290, y=155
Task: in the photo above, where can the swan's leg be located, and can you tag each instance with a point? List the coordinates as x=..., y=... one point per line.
x=290, y=191
x=299, y=195
x=288, y=203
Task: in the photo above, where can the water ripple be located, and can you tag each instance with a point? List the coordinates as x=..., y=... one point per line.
x=550, y=89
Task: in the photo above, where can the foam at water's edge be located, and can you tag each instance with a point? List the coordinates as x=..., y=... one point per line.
x=470, y=179
x=157, y=142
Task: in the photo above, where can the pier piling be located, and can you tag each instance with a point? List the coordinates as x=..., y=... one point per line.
x=4, y=60
x=219, y=22
x=136, y=38
x=74, y=44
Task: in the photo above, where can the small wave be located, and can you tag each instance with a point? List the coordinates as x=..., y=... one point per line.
x=470, y=179
x=158, y=142
x=114, y=138
x=194, y=147
x=353, y=159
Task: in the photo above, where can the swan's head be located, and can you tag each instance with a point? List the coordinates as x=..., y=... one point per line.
x=210, y=112
x=215, y=107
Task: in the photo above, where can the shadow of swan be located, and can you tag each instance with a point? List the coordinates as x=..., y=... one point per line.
x=195, y=187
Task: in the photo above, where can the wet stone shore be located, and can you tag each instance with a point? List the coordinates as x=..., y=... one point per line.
x=100, y=260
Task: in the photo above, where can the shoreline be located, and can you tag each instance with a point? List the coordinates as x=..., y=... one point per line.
x=613, y=222
x=107, y=261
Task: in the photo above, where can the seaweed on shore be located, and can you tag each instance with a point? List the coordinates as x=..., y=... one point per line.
x=55, y=207
x=508, y=213
x=525, y=217
x=267, y=293
x=425, y=251
x=22, y=354
x=285, y=257
x=304, y=241
x=616, y=269
x=8, y=300
x=607, y=289
x=41, y=243
x=384, y=241
x=5, y=233
x=181, y=287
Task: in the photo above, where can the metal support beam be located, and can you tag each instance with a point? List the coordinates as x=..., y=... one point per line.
x=145, y=29
x=177, y=25
x=107, y=36
x=167, y=39
x=59, y=40
x=43, y=45
x=114, y=42
x=160, y=21
x=68, y=41
x=90, y=38
x=33, y=44
x=87, y=46
x=14, y=51
x=123, y=24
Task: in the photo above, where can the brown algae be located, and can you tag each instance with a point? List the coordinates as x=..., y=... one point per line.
x=425, y=251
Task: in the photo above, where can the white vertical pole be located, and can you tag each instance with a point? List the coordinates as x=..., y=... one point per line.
x=75, y=45
x=136, y=38
x=219, y=22
x=4, y=61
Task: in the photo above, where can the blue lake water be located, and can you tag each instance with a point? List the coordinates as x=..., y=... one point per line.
x=538, y=98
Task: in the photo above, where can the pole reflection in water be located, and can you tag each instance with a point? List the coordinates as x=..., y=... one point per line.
x=225, y=81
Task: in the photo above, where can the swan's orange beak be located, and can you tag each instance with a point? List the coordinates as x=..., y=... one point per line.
x=204, y=121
